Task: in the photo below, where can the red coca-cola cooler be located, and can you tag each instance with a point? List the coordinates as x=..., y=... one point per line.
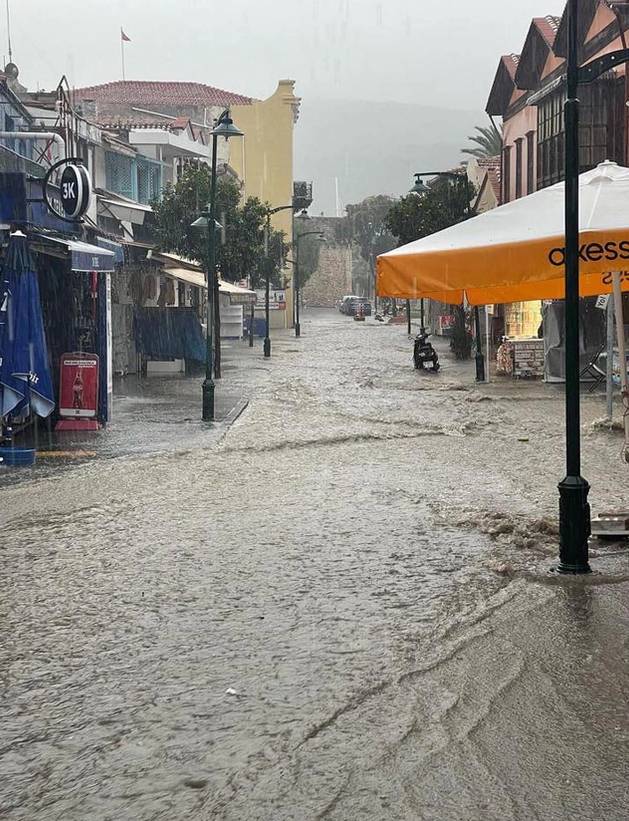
x=78, y=392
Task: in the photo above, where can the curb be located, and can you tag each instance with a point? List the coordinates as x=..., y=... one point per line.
x=235, y=412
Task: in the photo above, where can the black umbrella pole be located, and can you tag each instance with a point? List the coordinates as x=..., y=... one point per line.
x=574, y=510
x=480, y=359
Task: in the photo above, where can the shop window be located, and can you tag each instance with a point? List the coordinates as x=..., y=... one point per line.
x=530, y=162
x=120, y=175
x=150, y=288
x=149, y=181
x=506, y=173
x=518, y=168
x=601, y=129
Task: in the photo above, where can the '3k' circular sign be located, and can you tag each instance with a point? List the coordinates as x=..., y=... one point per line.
x=76, y=190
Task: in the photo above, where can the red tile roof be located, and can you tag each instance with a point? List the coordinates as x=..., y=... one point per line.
x=146, y=93
x=548, y=27
x=493, y=167
x=511, y=62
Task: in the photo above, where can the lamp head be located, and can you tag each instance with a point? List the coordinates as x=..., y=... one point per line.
x=225, y=128
x=420, y=186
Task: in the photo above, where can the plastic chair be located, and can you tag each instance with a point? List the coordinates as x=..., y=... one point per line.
x=595, y=369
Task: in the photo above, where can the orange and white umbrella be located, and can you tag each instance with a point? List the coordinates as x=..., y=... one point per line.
x=515, y=253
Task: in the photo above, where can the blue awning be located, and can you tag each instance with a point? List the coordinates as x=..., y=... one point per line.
x=110, y=245
x=169, y=333
x=81, y=255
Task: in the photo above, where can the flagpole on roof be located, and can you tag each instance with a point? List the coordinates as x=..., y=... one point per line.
x=122, y=42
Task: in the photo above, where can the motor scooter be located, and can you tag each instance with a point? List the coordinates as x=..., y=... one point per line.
x=424, y=355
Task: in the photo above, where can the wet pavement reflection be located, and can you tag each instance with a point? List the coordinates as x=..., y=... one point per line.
x=339, y=609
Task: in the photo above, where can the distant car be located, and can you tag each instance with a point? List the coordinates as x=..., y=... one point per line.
x=353, y=304
x=344, y=303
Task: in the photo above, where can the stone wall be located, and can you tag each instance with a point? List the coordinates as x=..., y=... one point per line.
x=333, y=278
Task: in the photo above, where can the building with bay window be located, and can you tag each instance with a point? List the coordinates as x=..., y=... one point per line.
x=528, y=94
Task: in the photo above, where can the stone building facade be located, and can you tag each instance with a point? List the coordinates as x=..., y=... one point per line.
x=333, y=277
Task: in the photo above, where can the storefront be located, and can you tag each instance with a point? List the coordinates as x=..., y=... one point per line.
x=74, y=285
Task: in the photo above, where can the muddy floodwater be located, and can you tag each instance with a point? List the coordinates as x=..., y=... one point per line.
x=339, y=609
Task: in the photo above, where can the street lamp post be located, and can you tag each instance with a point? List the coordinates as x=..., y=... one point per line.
x=574, y=510
x=297, y=274
x=204, y=223
x=269, y=213
x=421, y=188
x=224, y=127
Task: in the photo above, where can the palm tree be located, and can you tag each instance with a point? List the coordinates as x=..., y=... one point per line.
x=488, y=140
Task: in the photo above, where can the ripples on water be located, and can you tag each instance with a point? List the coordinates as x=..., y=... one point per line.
x=331, y=563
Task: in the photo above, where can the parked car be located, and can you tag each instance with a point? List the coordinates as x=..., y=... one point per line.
x=355, y=301
x=344, y=303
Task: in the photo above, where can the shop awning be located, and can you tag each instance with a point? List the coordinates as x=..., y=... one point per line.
x=515, y=253
x=81, y=255
x=115, y=247
x=123, y=209
x=169, y=333
x=236, y=294
x=186, y=275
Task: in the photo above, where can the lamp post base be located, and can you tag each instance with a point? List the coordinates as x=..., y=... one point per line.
x=480, y=367
x=208, y=400
x=297, y=329
x=267, y=347
x=574, y=525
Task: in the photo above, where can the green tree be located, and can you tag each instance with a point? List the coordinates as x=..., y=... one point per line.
x=446, y=202
x=240, y=246
x=369, y=231
x=240, y=249
x=309, y=248
x=488, y=142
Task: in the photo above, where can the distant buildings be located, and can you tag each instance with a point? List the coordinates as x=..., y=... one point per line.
x=134, y=138
x=528, y=92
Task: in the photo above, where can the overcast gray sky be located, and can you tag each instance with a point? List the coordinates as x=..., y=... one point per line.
x=433, y=52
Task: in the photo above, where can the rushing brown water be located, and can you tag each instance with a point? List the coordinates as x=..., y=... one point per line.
x=303, y=619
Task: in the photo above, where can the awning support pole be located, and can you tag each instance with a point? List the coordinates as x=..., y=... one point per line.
x=609, y=382
x=574, y=510
x=622, y=359
x=480, y=359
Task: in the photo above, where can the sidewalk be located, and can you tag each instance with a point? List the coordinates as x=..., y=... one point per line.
x=153, y=415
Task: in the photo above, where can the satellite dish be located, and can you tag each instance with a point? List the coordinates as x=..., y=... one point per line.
x=12, y=71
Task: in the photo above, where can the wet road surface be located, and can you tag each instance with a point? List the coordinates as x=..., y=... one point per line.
x=339, y=610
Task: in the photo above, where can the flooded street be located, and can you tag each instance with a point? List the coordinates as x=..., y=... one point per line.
x=339, y=609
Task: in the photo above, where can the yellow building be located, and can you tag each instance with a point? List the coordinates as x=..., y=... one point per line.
x=263, y=160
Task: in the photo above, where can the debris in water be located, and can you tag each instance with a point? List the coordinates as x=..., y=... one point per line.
x=231, y=692
x=523, y=438
x=195, y=783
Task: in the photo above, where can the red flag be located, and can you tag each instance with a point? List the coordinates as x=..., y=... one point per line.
x=124, y=37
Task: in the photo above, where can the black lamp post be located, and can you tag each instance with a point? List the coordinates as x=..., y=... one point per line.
x=202, y=224
x=269, y=268
x=574, y=510
x=296, y=273
x=224, y=127
x=421, y=188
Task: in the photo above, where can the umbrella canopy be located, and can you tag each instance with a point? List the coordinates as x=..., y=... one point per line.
x=25, y=383
x=515, y=253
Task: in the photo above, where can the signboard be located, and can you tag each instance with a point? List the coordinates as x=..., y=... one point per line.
x=76, y=191
x=277, y=299
x=445, y=323
x=78, y=388
x=602, y=301
x=528, y=358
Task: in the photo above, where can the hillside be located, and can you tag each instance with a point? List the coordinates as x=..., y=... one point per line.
x=374, y=147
